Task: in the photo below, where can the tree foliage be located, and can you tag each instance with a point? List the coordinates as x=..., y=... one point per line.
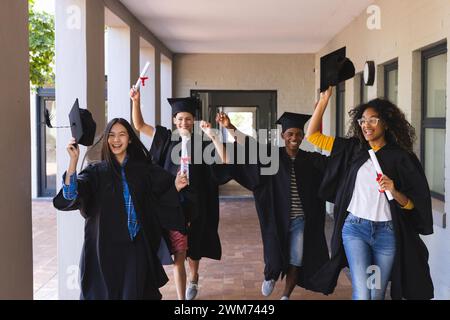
x=42, y=47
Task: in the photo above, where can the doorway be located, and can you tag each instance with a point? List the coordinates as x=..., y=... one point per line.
x=46, y=141
x=248, y=110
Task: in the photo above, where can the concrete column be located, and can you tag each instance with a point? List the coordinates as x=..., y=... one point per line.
x=79, y=48
x=166, y=91
x=134, y=63
x=148, y=91
x=95, y=61
x=34, y=107
x=447, y=143
x=123, y=70
x=16, y=267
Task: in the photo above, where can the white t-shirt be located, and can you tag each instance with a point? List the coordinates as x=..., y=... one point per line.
x=367, y=202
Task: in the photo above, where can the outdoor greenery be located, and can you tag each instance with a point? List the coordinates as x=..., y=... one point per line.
x=42, y=47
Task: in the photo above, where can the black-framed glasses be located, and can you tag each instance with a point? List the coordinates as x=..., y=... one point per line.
x=372, y=121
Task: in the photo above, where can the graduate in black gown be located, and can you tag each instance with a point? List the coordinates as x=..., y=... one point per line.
x=291, y=215
x=379, y=239
x=200, y=199
x=120, y=198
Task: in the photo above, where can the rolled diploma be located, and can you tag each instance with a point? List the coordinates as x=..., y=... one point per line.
x=184, y=163
x=378, y=170
x=143, y=73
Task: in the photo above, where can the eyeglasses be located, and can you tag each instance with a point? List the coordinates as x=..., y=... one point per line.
x=372, y=121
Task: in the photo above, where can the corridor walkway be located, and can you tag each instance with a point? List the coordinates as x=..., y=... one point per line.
x=237, y=276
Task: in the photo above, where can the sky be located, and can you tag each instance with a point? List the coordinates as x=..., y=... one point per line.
x=45, y=5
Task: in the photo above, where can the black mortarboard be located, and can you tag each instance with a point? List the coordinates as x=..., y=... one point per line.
x=82, y=125
x=335, y=68
x=293, y=120
x=189, y=104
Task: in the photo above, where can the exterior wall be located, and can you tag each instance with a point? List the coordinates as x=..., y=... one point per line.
x=407, y=27
x=16, y=267
x=292, y=75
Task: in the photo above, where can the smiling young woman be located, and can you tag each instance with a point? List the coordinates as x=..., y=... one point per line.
x=369, y=229
x=122, y=198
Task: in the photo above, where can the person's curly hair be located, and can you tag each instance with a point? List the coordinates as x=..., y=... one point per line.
x=398, y=131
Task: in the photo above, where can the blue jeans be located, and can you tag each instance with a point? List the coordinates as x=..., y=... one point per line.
x=370, y=250
x=296, y=228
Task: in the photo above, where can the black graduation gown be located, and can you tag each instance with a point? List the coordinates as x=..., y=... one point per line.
x=410, y=274
x=111, y=265
x=201, y=196
x=272, y=199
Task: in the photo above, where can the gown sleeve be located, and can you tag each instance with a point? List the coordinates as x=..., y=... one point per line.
x=161, y=141
x=86, y=184
x=337, y=165
x=319, y=161
x=245, y=173
x=162, y=185
x=413, y=183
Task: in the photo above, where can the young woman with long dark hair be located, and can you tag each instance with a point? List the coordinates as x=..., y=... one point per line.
x=121, y=199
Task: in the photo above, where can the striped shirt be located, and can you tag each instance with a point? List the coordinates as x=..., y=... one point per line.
x=296, y=205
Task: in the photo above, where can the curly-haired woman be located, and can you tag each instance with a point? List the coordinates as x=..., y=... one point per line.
x=378, y=239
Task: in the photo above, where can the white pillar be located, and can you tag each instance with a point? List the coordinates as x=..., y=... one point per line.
x=16, y=266
x=447, y=143
x=148, y=91
x=34, y=107
x=75, y=51
x=166, y=91
x=119, y=72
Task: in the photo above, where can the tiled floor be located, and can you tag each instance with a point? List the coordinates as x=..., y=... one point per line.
x=44, y=251
x=237, y=276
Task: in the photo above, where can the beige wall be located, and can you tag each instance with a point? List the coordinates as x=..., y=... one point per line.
x=292, y=75
x=16, y=266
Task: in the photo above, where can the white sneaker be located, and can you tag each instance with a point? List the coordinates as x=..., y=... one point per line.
x=284, y=298
x=267, y=287
x=191, y=290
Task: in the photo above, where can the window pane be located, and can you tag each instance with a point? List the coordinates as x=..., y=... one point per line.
x=436, y=86
x=392, y=86
x=434, y=158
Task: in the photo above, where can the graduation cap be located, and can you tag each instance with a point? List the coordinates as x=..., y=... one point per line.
x=335, y=67
x=189, y=104
x=293, y=120
x=82, y=124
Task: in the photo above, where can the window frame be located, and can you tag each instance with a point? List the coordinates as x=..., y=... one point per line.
x=429, y=123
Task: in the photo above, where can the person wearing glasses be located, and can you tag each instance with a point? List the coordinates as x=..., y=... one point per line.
x=377, y=238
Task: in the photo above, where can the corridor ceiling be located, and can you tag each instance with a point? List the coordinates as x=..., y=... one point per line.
x=246, y=26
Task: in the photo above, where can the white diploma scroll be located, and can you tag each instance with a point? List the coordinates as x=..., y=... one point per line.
x=142, y=76
x=184, y=161
x=375, y=162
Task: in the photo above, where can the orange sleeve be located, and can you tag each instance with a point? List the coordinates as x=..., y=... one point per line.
x=322, y=141
x=409, y=205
